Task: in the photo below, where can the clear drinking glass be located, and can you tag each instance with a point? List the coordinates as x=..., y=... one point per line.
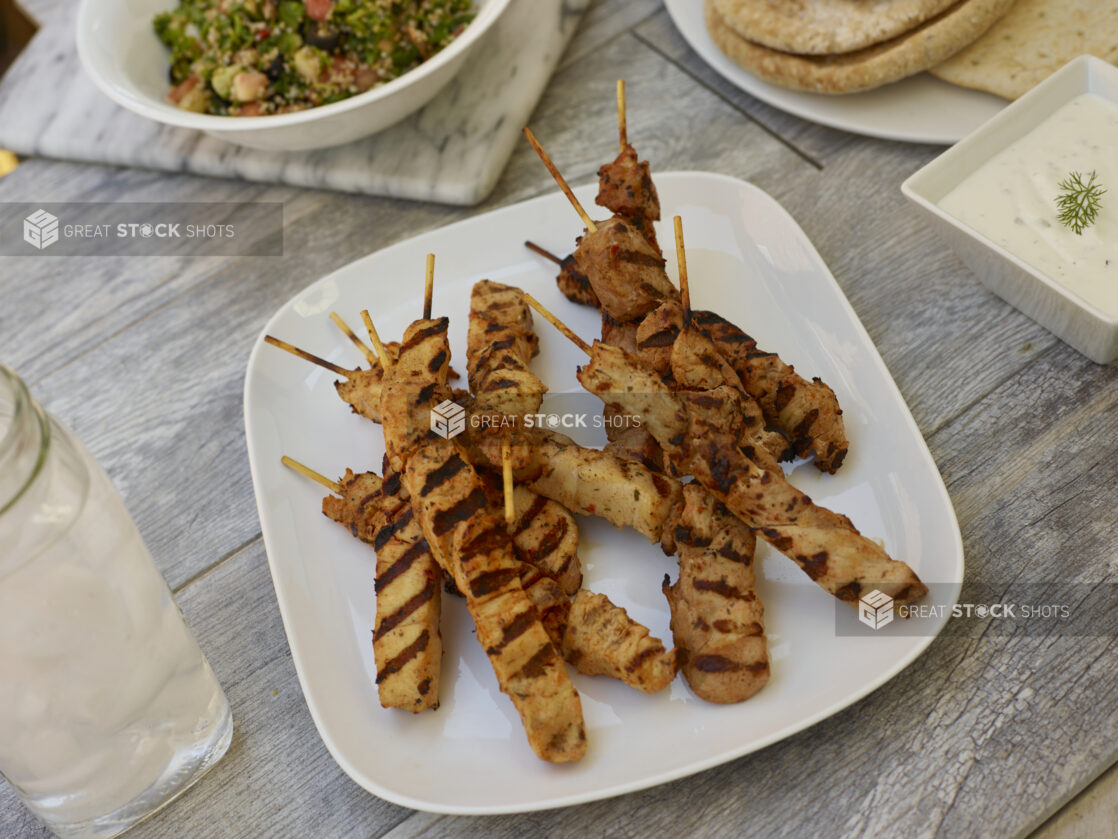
x=108, y=709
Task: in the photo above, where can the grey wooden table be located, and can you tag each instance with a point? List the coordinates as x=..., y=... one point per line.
x=144, y=358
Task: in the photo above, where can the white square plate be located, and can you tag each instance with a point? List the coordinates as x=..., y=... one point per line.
x=748, y=260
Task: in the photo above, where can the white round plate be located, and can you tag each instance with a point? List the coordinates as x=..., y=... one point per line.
x=749, y=260
x=920, y=109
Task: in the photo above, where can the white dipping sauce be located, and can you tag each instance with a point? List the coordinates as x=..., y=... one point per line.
x=1011, y=199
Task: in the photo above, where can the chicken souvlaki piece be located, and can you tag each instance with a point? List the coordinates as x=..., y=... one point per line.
x=574, y=284
x=807, y=411
x=625, y=188
x=689, y=428
x=598, y=638
x=469, y=539
x=500, y=343
x=407, y=644
x=381, y=514
x=716, y=616
x=603, y=640
x=592, y=482
x=545, y=535
x=625, y=270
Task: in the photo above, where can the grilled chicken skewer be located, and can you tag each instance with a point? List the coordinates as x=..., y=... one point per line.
x=690, y=429
x=716, y=615
x=469, y=539
x=599, y=638
x=717, y=618
x=630, y=284
x=407, y=643
x=544, y=533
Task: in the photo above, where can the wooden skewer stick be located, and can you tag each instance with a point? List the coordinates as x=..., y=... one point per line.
x=506, y=471
x=429, y=286
x=622, y=131
x=291, y=463
x=342, y=325
x=546, y=254
x=558, y=324
x=681, y=261
x=563, y=185
x=311, y=357
x=382, y=353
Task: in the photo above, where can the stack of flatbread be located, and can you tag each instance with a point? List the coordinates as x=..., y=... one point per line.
x=844, y=46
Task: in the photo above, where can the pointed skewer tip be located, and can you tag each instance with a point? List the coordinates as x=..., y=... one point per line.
x=428, y=286
x=560, y=180
x=307, y=356
x=558, y=324
x=292, y=463
x=370, y=356
x=378, y=345
x=622, y=128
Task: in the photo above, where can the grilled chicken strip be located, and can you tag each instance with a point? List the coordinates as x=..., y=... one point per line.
x=625, y=188
x=595, y=483
x=545, y=535
x=500, y=343
x=407, y=644
x=468, y=537
x=807, y=411
x=575, y=285
x=717, y=617
x=625, y=270
x=602, y=639
x=690, y=429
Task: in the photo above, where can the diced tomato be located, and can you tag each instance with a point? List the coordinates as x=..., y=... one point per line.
x=261, y=34
x=180, y=90
x=319, y=9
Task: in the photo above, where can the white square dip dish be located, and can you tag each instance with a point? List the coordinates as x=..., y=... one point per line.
x=1071, y=318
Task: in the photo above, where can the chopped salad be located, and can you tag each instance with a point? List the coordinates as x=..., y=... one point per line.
x=258, y=57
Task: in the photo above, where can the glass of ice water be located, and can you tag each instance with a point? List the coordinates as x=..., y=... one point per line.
x=108, y=709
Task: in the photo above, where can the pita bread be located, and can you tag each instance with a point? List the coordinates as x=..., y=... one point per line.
x=824, y=27
x=1035, y=39
x=903, y=56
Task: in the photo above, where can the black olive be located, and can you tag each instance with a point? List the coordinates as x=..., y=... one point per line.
x=322, y=36
x=274, y=70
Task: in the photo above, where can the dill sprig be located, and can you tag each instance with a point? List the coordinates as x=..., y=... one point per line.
x=1079, y=201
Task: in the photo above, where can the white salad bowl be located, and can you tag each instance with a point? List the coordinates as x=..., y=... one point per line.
x=1072, y=319
x=121, y=53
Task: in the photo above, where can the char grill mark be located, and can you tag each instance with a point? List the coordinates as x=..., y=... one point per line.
x=398, y=662
x=443, y=474
x=413, y=552
x=390, y=622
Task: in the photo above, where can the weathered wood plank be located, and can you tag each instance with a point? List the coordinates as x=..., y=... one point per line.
x=602, y=23
x=1091, y=815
